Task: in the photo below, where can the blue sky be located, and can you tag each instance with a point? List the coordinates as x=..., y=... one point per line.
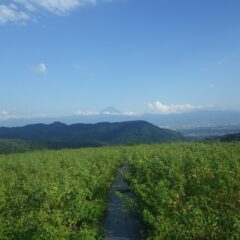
x=79, y=56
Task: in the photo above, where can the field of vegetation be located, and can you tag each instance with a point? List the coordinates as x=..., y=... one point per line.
x=55, y=194
x=187, y=190
x=183, y=191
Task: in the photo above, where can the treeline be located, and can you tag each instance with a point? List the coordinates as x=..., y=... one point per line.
x=8, y=146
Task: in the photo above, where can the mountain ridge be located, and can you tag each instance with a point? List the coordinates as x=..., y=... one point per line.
x=103, y=133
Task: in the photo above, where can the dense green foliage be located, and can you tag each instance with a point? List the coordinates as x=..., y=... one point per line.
x=187, y=191
x=55, y=194
x=17, y=146
x=58, y=135
x=183, y=191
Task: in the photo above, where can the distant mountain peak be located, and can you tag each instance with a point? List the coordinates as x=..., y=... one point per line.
x=110, y=111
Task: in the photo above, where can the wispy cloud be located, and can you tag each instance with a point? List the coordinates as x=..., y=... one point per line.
x=129, y=113
x=161, y=108
x=95, y=113
x=40, y=68
x=60, y=7
x=11, y=13
x=85, y=113
x=22, y=11
x=4, y=115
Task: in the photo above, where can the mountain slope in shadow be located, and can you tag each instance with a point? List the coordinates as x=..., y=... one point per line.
x=101, y=133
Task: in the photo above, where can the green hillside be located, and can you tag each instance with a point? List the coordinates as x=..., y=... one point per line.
x=59, y=135
x=17, y=146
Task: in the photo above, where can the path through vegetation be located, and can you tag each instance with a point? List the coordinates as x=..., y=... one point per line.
x=119, y=225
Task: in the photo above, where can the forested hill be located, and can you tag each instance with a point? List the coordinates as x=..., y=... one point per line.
x=59, y=134
x=230, y=137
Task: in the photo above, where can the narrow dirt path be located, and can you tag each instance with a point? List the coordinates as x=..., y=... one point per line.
x=119, y=225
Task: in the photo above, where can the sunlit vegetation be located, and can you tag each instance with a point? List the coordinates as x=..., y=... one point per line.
x=182, y=190
x=55, y=194
x=187, y=191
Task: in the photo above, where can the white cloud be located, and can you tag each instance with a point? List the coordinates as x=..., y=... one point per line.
x=40, y=68
x=10, y=13
x=95, y=113
x=159, y=107
x=60, y=7
x=119, y=113
x=4, y=115
x=129, y=113
x=21, y=11
x=85, y=113
x=110, y=113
